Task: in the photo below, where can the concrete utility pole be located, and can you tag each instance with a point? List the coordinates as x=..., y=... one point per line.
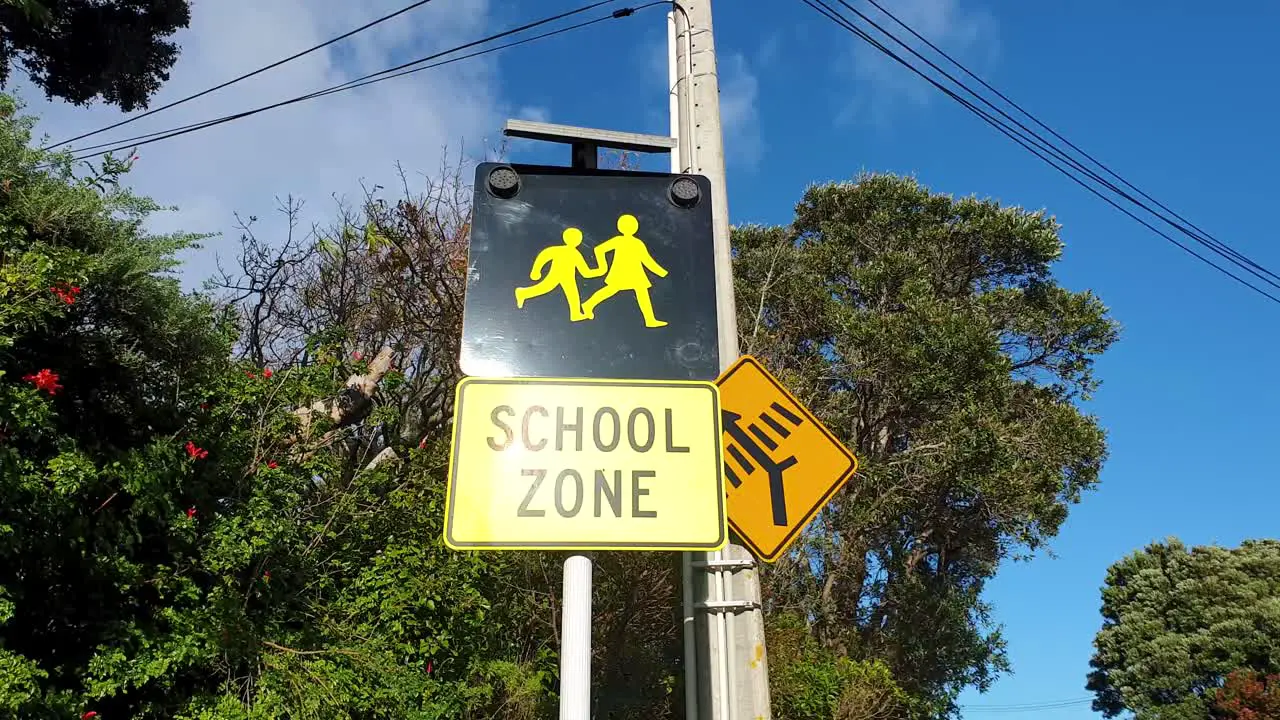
x=723, y=623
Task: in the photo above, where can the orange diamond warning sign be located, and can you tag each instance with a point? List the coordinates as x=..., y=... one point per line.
x=782, y=465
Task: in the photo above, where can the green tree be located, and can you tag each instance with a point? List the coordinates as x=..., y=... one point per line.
x=99, y=354
x=812, y=682
x=929, y=334
x=184, y=535
x=78, y=50
x=1177, y=621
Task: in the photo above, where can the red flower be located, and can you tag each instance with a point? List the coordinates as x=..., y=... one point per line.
x=266, y=372
x=89, y=715
x=266, y=576
x=357, y=356
x=249, y=374
x=272, y=464
x=423, y=443
x=66, y=293
x=195, y=452
x=191, y=512
x=46, y=380
x=428, y=667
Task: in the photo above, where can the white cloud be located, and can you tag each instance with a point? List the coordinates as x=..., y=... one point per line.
x=739, y=111
x=534, y=113
x=313, y=149
x=882, y=86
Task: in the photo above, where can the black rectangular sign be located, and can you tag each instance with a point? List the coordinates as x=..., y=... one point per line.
x=591, y=274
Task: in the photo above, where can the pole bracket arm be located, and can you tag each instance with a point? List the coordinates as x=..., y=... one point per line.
x=714, y=565
x=727, y=606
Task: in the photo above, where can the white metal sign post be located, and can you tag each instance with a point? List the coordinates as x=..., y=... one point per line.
x=575, y=640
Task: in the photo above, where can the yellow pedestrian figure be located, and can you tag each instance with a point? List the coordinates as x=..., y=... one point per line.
x=565, y=262
x=631, y=260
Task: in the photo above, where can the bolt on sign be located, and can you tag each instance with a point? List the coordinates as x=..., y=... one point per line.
x=585, y=464
x=781, y=464
x=591, y=274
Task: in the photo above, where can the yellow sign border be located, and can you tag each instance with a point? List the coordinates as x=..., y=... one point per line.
x=656, y=547
x=826, y=497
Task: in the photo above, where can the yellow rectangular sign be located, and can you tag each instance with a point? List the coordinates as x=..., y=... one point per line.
x=585, y=464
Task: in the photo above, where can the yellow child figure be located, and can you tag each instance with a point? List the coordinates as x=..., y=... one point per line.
x=631, y=260
x=565, y=262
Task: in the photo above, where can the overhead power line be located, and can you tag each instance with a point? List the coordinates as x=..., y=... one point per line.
x=1022, y=139
x=1038, y=146
x=1214, y=244
x=246, y=76
x=380, y=76
x=1027, y=707
x=1039, y=140
x=1203, y=233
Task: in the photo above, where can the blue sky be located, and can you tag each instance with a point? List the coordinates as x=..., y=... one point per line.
x=1180, y=101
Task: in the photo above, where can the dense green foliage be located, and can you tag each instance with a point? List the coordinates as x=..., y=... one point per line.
x=80, y=50
x=809, y=680
x=172, y=543
x=1177, y=621
x=90, y=465
x=930, y=336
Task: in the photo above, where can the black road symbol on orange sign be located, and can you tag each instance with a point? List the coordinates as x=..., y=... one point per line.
x=750, y=439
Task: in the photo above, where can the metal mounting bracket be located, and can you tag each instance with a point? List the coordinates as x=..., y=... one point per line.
x=727, y=605
x=586, y=142
x=714, y=565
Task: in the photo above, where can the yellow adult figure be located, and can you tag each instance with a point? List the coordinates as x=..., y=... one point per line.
x=563, y=264
x=629, y=270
